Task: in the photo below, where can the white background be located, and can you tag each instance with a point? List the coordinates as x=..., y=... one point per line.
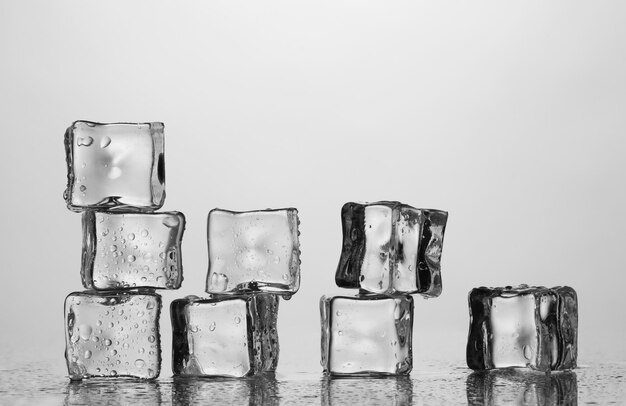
x=509, y=115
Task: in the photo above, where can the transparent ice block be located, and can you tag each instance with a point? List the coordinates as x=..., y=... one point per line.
x=112, y=334
x=255, y=251
x=230, y=336
x=132, y=250
x=118, y=166
x=522, y=326
x=367, y=335
x=390, y=247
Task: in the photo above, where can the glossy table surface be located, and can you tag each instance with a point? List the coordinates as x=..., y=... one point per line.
x=45, y=383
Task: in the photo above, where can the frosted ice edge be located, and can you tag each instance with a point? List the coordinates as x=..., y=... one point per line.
x=108, y=170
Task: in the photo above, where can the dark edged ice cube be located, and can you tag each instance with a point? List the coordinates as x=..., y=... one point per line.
x=367, y=335
x=390, y=247
x=115, y=166
x=113, y=334
x=132, y=250
x=521, y=387
x=522, y=326
x=254, y=251
x=230, y=336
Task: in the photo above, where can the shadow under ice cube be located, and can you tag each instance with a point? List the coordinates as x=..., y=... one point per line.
x=255, y=251
x=115, y=166
x=517, y=327
x=113, y=334
x=390, y=247
x=132, y=250
x=367, y=335
x=232, y=336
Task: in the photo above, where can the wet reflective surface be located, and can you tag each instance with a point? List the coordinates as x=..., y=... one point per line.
x=431, y=383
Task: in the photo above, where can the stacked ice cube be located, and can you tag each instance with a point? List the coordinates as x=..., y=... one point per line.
x=254, y=257
x=116, y=178
x=390, y=251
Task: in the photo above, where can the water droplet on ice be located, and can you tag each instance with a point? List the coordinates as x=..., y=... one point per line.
x=83, y=188
x=84, y=141
x=131, y=236
x=139, y=363
x=237, y=320
x=131, y=258
x=144, y=233
x=84, y=331
x=105, y=141
x=113, y=248
x=193, y=328
x=212, y=326
x=152, y=339
x=87, y=354
x=528, y=352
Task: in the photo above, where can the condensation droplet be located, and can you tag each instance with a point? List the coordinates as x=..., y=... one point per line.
x=131, y=258
x=131, y=236
x=144, y=233
x=212, y=327
x=139, y=363
x=87, y=354
x=107, y=342
x=151, y=339
x=84, y=141
x=105, y=141
x=113, y=248
x=83, y=188
x=237, y=320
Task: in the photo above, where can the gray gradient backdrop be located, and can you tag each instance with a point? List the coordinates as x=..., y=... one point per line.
x=510, y=115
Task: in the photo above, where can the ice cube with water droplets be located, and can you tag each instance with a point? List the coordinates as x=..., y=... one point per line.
x=132, y=250
x=367, y=335
x=255, y=251
x=118, y=166
x=112, y=334
x=232, y=336
x=522, y=326
x=390, y=247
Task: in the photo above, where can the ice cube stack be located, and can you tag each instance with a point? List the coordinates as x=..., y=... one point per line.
x=390, y=251
x=254, y=258
x=116, y=178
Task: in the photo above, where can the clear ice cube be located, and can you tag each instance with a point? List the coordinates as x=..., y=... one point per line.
x=115, y=166
x=112, y=334
x=132, y=250
x=253, y=251
x=231, y=336
x=367, y=335
x=522, y=326
x=521, y=387
x=390, y=247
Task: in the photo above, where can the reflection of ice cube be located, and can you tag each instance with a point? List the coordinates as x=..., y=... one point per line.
x=131, y=250
x=367, y=335
x=225, y=336
x=113, y=392
x=391, y=247
x=521, y=387
x=256, y=390
x=253, y=251
x=113, y=334
x=533, y=327
x=115, y=166
x=392, y=390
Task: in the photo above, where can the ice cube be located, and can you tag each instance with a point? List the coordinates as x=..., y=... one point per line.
x=389, y=390
x=231, y=336
x=254, y=251
x=112, y=334
x=521, y=387
x=115, y=166
x=391, y=247
x=367, y=335
x=131, y=250
x=523, y=326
